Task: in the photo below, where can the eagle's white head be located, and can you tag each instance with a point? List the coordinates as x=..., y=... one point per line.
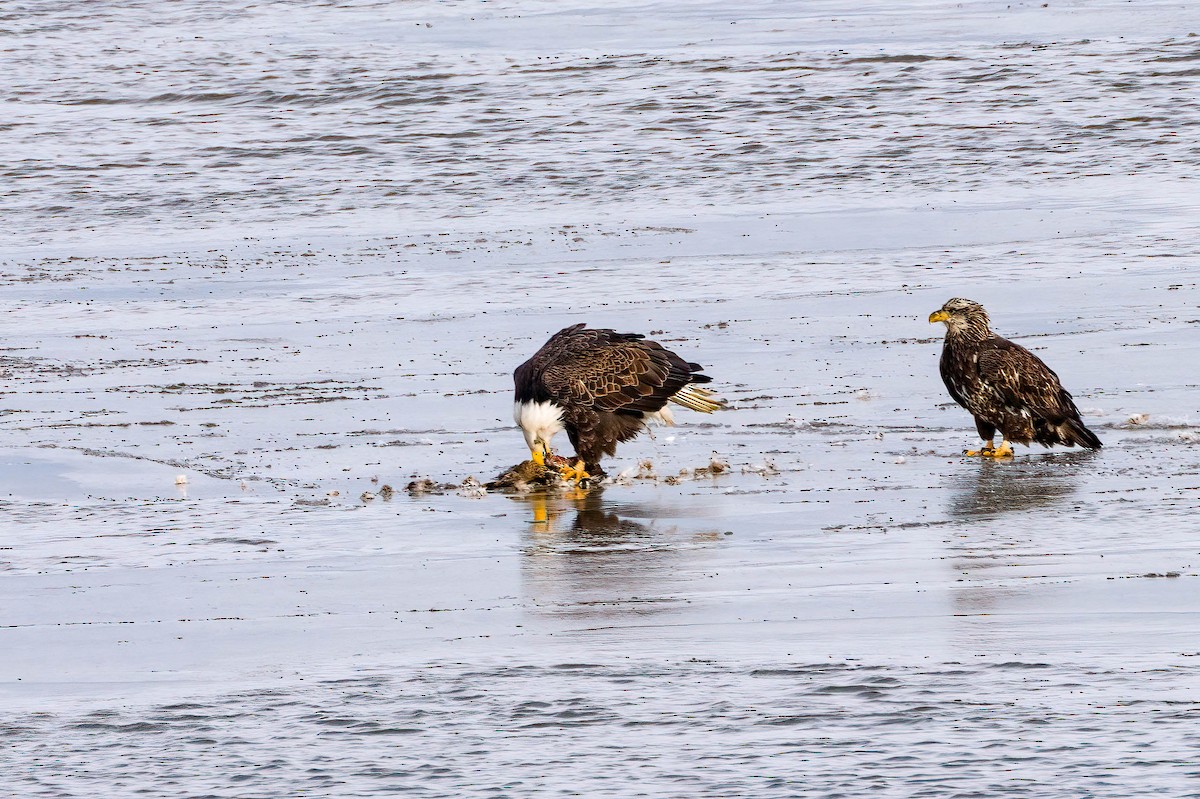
x=539, y=421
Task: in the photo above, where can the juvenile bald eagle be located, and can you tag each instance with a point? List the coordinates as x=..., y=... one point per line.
x=1004, y=386
x=602, y=387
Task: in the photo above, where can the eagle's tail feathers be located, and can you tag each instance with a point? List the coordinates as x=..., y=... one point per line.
x=698, y=399
x=1074, y=432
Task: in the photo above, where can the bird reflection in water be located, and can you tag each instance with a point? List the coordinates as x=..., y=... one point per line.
x=995, y=497
x=1003, y=487
x=587, y=557
x=579, y=513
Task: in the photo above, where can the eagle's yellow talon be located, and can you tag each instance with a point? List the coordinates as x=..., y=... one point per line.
x=1005, y=450
x=576, y=474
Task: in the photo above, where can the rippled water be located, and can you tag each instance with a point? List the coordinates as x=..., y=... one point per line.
x=190, y=114
x=696, y=729
x=292, y=251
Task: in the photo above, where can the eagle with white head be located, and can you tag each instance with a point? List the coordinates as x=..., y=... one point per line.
x=602, y=388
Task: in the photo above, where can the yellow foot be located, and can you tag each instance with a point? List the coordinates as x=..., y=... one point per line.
x=576, y=474
x=1005, y=450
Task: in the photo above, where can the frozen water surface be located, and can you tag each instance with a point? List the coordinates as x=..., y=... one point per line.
x=292, y=252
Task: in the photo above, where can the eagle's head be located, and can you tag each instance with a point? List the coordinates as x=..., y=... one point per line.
x=539, y=421
x=963, y=317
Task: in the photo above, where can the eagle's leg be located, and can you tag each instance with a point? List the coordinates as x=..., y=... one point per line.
x=986, y=432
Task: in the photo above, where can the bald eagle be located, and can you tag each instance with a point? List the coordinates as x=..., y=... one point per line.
x=1004, y=386
x=602, y=387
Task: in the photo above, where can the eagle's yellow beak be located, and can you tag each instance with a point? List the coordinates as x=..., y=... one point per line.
x=538, y=456
x=938, y=316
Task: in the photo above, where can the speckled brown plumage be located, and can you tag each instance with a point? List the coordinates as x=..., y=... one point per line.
x=606, y=383
x=1003, y=385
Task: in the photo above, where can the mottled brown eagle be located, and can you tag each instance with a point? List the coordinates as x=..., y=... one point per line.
x=1004, y=386
x=602, y=387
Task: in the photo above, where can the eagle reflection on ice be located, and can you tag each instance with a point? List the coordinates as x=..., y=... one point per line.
x=587, y=557
x=1033, y=482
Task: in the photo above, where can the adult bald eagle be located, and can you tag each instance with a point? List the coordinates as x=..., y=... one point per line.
x=1004, y=386
x=602, y=387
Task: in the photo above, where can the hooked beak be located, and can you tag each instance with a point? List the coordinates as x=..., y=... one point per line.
x=938, y=316
x=538, y=456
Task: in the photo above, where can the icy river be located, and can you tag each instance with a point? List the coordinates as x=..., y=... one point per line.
x=265, y=265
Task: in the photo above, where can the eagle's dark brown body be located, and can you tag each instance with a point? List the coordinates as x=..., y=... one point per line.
x=1005, y=386
x=604, y=386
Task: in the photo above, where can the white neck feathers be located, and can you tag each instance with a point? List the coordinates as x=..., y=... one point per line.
x=538, y=421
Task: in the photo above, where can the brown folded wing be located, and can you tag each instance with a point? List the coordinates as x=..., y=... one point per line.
x=1021, y=380
x=610, y=371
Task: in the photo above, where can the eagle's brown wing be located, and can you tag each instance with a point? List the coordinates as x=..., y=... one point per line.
x=610, y=371
x=1022, y=381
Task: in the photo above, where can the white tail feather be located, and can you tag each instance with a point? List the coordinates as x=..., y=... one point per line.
x=698, y=399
